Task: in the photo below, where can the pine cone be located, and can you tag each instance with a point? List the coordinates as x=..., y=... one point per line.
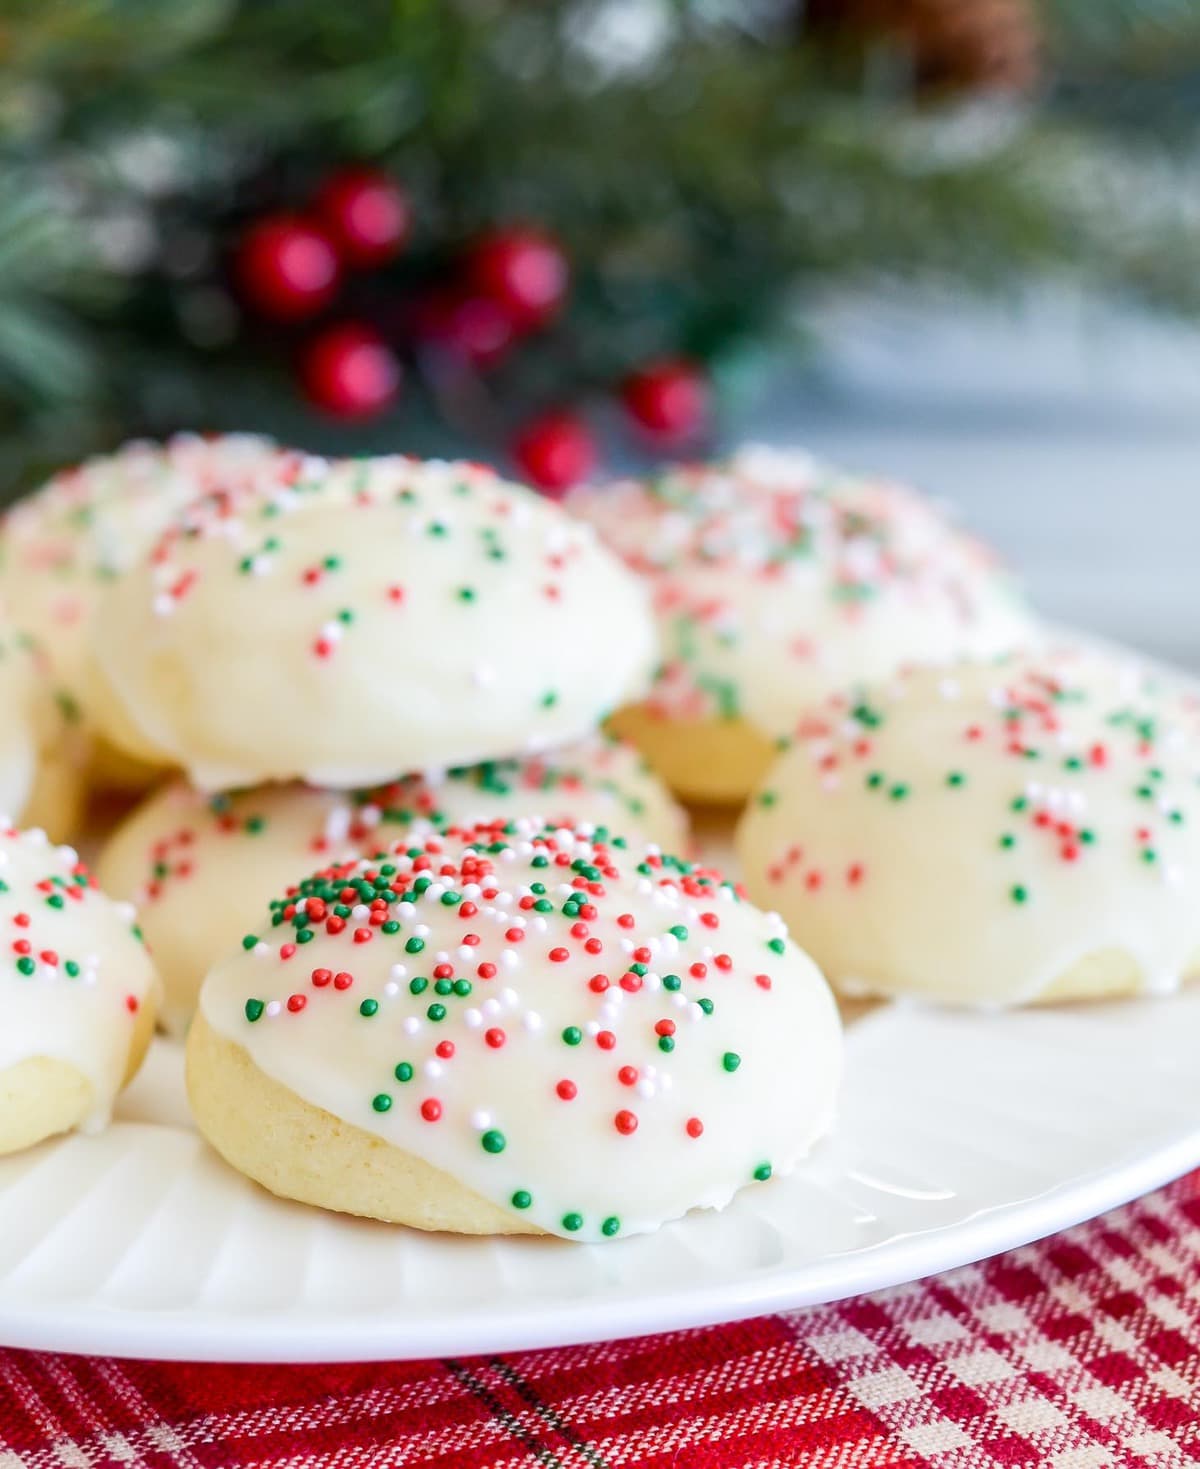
x=954, y=45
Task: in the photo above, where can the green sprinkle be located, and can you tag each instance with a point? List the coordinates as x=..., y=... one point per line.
x=391, y=926
x=381, y=1102
x=762, y=1172
x=956, y=778
x=368, y=1008
x=72, y=968
x=444, y=987
x=1018, y=803
x=899, y=792
x=249, y=941
x=611, y=1226
x=776, y=946
x=1018, y=893
x=549, y=699
x=671, y=982
x=414, y=945
x=572, y=1035
x=26, y=965
x=466, y=594
x=666, y=1043
x=731, y=1060
x=1149, y=854
x=493, y=1141
x=572, y=1222
x=254, y=1010
x=462, y=987
x=1008, y=841
x=436, y=1012
x=418, y=986
x=522, y=1199
x=874, y=780
x=705, y=1004
x=679, y=931
x=767, y=798
x=404, y=1071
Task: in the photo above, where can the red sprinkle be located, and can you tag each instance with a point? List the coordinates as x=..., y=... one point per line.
x=431, y=1109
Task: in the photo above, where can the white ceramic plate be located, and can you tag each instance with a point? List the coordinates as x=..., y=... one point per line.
x=960, y=1135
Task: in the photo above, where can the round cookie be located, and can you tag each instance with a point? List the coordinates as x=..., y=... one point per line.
x=77, y=993
x=201, y=868
x=992, y=834
x=18, y=727
x=60, y=546
x=371, y=617
x=777, y=581
x=515, y=1030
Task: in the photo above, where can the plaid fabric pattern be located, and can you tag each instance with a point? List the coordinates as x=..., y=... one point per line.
x=1080, y=1352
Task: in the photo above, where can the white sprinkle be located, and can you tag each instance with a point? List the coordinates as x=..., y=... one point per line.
x=273, y=1008
x=481, y=1120
x=472, y=1018
x=432, y=1069
x=533, y=1021
x=399, y=971
x=391, y=989
x=411, y=1025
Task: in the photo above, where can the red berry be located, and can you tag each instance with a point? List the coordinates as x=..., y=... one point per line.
x=522, y=269
x=367, y=215
x=287, y=268
x=555, y=451
x=671, y=399
x=350, y=371
x=472, y=328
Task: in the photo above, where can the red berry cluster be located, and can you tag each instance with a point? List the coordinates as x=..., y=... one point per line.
x=512, y=281
x=289, y=267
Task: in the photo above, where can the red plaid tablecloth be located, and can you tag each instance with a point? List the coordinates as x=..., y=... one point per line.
x=1080, y=1352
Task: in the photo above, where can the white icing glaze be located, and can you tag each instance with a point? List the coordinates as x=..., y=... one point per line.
x=973, y=835
x=334, y=628
x=592, y=1121
x=60, y=546
x=778, y=580
x=89, y=973
x=201, y=868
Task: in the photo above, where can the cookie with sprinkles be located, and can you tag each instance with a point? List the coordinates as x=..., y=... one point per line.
x=370, y=618
x=777, y=581
x=515, y=1029
x=200, y=868
x=78, y=993
x=61, y=545
x=991, y=834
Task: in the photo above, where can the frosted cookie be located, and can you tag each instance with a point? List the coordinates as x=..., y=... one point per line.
x=777, y=581
x=371, y=618
x=18, y=720
x=77, y=993
x=515, y=1030
x=60, y=546
x=995, y=834
x=201, y=868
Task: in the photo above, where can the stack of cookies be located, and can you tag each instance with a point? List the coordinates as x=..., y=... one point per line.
x=407, y=744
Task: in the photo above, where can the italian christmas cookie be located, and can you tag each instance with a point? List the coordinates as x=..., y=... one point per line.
x=369, y=618
x=776, y=581
x=60, y=546
x=77, y=993
x=514, y=1029
x=991, y=834
x=200, y=868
